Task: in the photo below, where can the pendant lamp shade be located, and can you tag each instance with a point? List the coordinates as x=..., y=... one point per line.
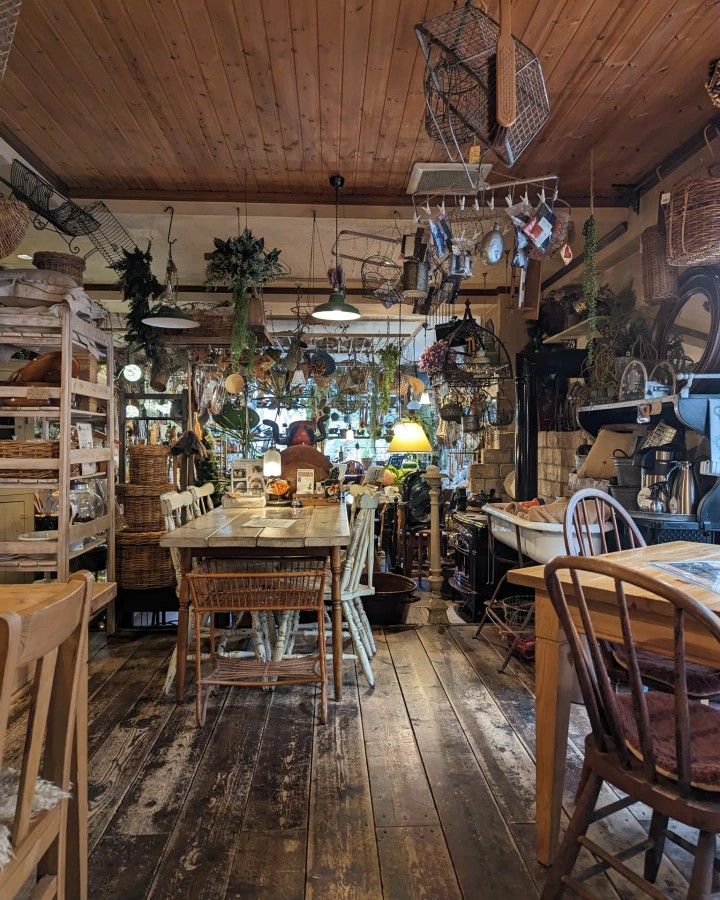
x=409, y=437
x=272, y=463
x=337, y=309
x=425, y=399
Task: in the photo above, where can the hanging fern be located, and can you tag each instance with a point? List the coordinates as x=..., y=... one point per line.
x=242, y=264
x=389, y=361
x=590, y=282
x=139, y=287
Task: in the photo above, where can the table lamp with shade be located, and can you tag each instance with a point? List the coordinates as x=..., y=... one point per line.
x=409, y=437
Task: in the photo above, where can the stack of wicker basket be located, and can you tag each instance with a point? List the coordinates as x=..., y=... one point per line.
x=141, y=564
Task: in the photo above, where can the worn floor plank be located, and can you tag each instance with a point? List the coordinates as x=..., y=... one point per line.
x=400, y=791
x=416, y=865
x=422, y=788
x=342, y=861
x=476, y=834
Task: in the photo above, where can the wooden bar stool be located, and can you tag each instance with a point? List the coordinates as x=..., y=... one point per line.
x=33, y=836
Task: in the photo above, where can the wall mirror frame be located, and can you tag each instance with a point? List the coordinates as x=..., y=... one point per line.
x=698, y=284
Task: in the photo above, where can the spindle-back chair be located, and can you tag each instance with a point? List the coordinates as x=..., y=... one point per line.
x=657, y=748
x=202, y=498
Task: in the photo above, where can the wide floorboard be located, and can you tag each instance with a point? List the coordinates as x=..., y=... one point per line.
x=421, y=788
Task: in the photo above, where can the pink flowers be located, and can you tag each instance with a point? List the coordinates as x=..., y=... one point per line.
x=432, y=359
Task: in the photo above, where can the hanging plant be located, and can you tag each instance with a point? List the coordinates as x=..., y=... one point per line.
x=590, y=282
x=432, y=359
x=389, y=360
x=242, y=264
x=139, y=288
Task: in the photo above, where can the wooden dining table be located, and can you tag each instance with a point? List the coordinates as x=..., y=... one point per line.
x=24, y=599
x=321, y=530
x=554, y=676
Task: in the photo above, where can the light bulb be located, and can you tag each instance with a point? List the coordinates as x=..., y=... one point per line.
x=132, y=372
x=349, y=435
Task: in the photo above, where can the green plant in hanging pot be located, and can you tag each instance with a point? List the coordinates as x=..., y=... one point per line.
x=244, y=265
x=388, y=364
x=139, y=289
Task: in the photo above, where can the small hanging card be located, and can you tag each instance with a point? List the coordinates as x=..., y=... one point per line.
x=540, y=227
x=566, y=253
x=305, y=481
x=85, y=442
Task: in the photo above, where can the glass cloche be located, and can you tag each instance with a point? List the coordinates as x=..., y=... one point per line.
x=85, y=503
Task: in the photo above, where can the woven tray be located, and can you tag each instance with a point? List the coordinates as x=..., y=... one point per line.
x=141, y=504
x=141, y=563
x=148, y=464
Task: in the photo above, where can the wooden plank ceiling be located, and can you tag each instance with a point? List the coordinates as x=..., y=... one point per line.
x=178, y=97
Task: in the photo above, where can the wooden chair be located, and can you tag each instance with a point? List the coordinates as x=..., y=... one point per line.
x=202, y=498
x=54, y=639
x=290, y=584
x=657, y=748
x=177, y=509
x=586, y=508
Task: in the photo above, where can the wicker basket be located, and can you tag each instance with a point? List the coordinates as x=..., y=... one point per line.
x=29, y=450
x=14, y=221
x=67, y=263
x=693, y=228
x=659, y=277
x=148, y=464
x=140, y=562
x=141, y=504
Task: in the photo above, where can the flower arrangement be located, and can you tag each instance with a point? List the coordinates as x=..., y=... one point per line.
x=432, y=359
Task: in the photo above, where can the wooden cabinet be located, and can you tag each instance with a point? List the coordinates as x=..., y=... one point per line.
x=17, y=515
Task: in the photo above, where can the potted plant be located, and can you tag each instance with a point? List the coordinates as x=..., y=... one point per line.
x=244, y=265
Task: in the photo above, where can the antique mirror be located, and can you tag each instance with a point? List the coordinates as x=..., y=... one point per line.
x=690, y=325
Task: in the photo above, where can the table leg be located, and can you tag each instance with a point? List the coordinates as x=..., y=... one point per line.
x=182, y=631
x=335, y=567
x=554, y=683
x=76, y=852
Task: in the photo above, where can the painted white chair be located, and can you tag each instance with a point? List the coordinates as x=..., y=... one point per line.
x=359, y=558
x=202, y=498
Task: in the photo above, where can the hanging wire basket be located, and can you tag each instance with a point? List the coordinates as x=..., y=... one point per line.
x=41, y=197
x=110, y=238
x=9, y=13
x=460, y=50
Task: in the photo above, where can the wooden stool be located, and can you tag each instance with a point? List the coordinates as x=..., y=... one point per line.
x=34, y=841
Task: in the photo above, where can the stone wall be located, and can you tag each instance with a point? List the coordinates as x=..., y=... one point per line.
x=556, y=459
x=495, y=464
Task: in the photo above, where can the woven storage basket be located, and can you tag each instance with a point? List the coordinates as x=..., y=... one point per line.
x=140, y=562
x=659, y=277
x=141, y=504
x=32, y=450
x=148, y=464
x=14, y=221
x=693, y=226
x=67, y=263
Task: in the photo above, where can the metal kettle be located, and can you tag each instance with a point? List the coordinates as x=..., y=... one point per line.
x=683, y=489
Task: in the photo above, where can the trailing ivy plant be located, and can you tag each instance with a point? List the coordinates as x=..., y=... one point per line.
x=244, y=265
x=388, y=361
x=139, y=288
x=590, y=282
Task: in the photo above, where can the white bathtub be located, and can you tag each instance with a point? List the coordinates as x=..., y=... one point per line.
x=540, y=541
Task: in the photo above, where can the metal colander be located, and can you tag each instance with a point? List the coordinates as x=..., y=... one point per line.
x=459, y=48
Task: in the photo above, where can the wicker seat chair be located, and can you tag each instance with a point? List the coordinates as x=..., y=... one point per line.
x=283, y=586
x=591, y=506
x=657, y=748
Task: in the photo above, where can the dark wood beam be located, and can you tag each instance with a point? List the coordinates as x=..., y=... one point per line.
x=630, y=194
x=285, y=291
x=32, y=159
x=617, y=232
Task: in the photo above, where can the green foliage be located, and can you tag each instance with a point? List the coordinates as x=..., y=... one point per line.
x=139, y=287
x=242, y=264
x=208, y=469
x=388, y=363
x=590, y=282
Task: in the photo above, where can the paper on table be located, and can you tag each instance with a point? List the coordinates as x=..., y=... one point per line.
x=705, y=572
x=261, y=522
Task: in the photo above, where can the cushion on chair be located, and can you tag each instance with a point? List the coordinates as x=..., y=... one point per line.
x=701, y=681
x=704, y=731
x=47, y=796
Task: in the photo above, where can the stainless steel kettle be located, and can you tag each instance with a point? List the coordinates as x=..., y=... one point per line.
x=683, y=489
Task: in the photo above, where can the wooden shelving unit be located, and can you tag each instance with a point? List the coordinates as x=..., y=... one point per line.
x=74, y=400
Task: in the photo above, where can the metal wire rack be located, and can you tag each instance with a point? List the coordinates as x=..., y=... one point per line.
x=459, y=48
x=9, y=13
x=110, y=238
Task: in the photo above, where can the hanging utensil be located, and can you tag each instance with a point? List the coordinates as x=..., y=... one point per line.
x=505, y=95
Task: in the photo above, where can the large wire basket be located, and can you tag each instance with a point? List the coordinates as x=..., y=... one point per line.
x=110, y=239
x=460, y=49
x=9, y=12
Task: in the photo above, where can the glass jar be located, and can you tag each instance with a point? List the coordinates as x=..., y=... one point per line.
x=87, y=503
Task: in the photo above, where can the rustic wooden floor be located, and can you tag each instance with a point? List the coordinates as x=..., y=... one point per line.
x=422, y=788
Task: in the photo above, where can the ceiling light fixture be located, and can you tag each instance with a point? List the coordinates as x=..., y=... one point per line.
x=132, y=372
x=336, y=309
x=167, y=313
x=409, y=437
